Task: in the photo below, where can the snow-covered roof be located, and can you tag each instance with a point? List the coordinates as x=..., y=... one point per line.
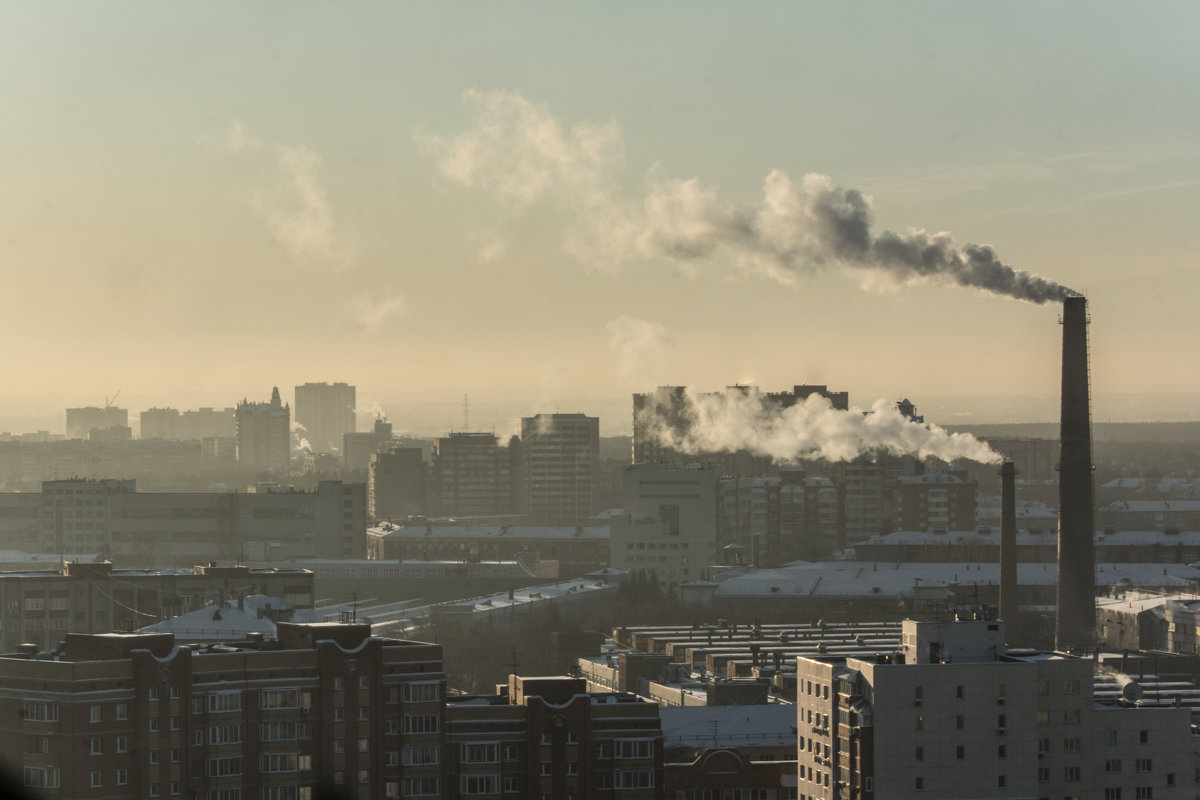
x=746, y=726
x=1137, y=602
x=1143, y=506
x=228, y=621
x=594, y=532
x=864, y=579
x=1026, y=538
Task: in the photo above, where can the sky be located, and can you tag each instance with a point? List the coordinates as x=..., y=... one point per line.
x=545, y=206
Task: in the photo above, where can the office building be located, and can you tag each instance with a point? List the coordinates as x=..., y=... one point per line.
x=560, y=458
x=472, y=475
x=397, y=483
x=264, y=434
x=325, y=412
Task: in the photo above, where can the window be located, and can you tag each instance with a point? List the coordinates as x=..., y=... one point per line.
x=122, y=711
x=391, y=758
x=1071, y=716
x=546, y=768
x=94, y=714
x=174, y=755
x=603, y=750
x=572, y=767
x=960, y=722
x=284, y=762
x=421, y=723
x=420, y=692
x=1112, y=793
x=512, y=785
x=1070, y=774
x=364, y=682
x=154, y=790
x=222, y=767
x=547, y=739
x=224, y=701
x=153, y=693
x=153, y=756
x=1112, y=765
x=283, y=698
x=1144, y=793
x=1043, y=717
x=1144, y=765
x=480, y=753
x=96, y=747
x=1043, y=774
x=960, y=752
x=918, y=695
x=339, y=684
x=364, y=745
x=1071, y=745
x=94, y=778
x=339, y=745
x=42, y=777
x=364, y=713
x=175, y=789
x=154, y=724
x=40, y=711
x=1001, y=751
x=479, y=784
x=634, y=748
x=958, y=692
x=1143, y=737
x=635, y=779
x=919, y=784
x=919, y=754
x=1043, y=687
x=364, y=776
x=511, y=752
x=1071, y=686
x=919, y=723
x=1112, y=737
x=122, y=776
x=416, y=755
x=1001, y=722
x=1001, y=781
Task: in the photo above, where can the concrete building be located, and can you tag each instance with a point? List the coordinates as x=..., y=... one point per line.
x=953, y=715
x=937, y=501
x=667, y=407
x=577, y=550
x=326, y=413
x=40, y=607
x=82, y=421
x=472, y=474
x=203, y=423
x=397, y=484
x=264, y=434
x=155, y=529
x=670, y=522
x=560, y=457
x=358, y=447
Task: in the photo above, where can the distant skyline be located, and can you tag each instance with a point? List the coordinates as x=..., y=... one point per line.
x=205, y=200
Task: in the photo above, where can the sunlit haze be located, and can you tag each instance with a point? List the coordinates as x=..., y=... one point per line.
x=546, y=207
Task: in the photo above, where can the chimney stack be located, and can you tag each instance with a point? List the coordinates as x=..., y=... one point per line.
x=1075, y=627
x=1008, y=547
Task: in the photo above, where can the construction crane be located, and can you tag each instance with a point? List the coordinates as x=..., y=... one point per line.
x=108, y=401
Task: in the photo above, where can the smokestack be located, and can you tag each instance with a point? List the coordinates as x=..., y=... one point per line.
x=1075, y=627
x=1008, y=547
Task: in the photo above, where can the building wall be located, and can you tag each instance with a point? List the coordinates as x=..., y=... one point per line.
x=326, y=410
x=560, y=458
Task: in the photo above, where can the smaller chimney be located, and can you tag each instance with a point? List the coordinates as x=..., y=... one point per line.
x=1008, y=546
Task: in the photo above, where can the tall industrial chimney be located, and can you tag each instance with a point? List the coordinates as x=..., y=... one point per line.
x=1075, y=627
x=1008, y=548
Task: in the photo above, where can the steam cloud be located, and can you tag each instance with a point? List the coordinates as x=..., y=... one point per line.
x=520, y=151
x=372, y=312
x=736, y=420
x=641, y=347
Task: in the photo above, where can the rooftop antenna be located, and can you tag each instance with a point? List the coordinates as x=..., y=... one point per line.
x=466, y=413
x=513, y=664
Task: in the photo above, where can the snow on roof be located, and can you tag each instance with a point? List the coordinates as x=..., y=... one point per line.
x=1026, y=538
x=1143, y=506
x=492, y=531
x=230, y=622
x=701, y=726
x=861, y=579
x=1125, y=483
x=1137, y=602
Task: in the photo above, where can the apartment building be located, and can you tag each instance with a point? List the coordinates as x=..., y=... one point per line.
x=953, y=715
x=560, y=457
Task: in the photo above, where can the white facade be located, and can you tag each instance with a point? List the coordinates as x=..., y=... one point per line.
x=953, y=716
x=670, y=522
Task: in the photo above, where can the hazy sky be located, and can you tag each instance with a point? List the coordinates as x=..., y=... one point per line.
x=430, y=199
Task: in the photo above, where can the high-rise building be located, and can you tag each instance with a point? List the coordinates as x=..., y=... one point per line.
x=560, y=457
x=358, y=447
x=81, y=421
x=472, y=475
x=264, y=434
x=326, y=412
x=202, y=423
x=396, y=483
x=667, y=409
x=955, y=715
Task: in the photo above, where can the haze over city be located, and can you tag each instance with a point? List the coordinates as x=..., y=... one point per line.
x=538, y=206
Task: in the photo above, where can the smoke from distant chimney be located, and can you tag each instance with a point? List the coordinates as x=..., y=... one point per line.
x=737, y=419
x=521, y=152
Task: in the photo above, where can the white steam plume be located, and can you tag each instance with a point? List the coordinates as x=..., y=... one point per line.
x=641, y=347
x=372, y=311
x=744, y=420
x=294, y=205
x=520, y=151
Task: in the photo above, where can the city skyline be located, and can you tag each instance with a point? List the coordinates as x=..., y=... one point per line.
x=241, y=214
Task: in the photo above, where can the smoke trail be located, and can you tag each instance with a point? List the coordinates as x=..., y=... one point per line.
x=641, y=347
x=522, y=153
x=745, y=420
